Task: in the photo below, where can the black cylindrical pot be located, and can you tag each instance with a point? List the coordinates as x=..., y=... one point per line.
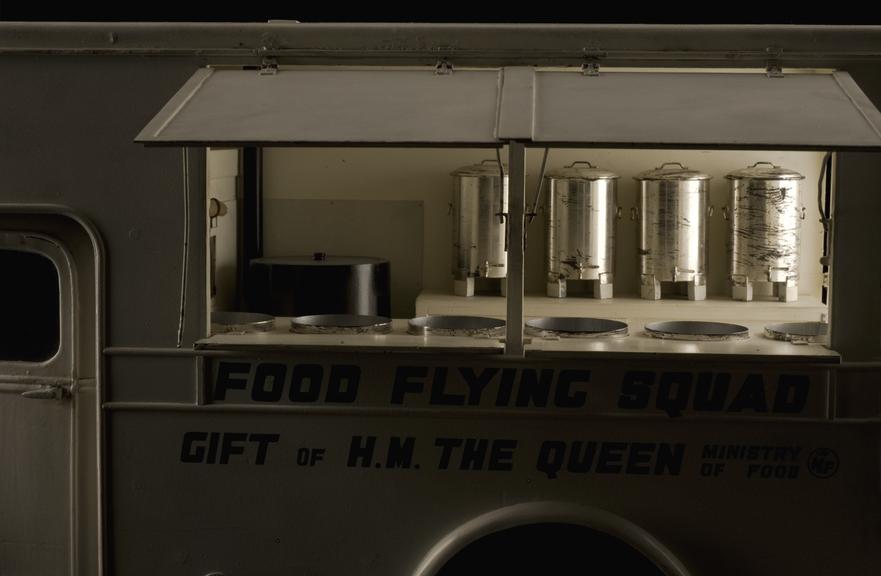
x=319, y=284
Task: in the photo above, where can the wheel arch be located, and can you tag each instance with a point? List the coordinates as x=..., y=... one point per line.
x=549, y=512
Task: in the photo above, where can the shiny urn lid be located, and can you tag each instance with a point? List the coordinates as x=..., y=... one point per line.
x=765, y=171
x=341, y=324
x=575, y=327
x=240, y=322
x=672, y=171
x=581, y=170
x=797, y=332
x=321, y=260
x=485, y=168
x=696, y=330
x=474, y=326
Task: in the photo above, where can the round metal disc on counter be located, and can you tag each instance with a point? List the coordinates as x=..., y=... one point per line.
x=241, y=322
x=582, y=214
x=320, y=284
x=696, y=330
x=341, y=324
x=575, y=327
x=456, y=326
x=673, y=232
x=764, y=226
x=797, y=332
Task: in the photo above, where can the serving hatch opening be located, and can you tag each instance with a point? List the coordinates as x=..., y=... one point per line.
x=348, y=128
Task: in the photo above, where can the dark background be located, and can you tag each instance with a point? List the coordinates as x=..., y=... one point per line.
x=605, y=12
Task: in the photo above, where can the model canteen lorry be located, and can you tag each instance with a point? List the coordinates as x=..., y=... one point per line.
x=297, y=298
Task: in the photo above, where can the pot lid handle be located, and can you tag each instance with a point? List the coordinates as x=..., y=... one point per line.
x=581, y=162
x=680, y=164
x=771, y=164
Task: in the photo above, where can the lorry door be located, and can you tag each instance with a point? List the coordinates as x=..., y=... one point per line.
x=38, y=386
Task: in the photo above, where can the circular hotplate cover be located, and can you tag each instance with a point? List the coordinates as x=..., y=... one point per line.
x=457, y=326
x=696, y=330
x=341, y=324
x=575, y=327
x=797, y=331
x=224, y=322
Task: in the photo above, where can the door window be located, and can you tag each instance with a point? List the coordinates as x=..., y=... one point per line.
x=30, y=326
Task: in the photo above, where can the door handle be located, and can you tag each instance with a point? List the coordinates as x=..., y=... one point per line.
x=49, y=392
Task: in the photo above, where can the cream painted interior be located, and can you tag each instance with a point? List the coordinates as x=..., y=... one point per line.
x=223, y=171
x=386, y=174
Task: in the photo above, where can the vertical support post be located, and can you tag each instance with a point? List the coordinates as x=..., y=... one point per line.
x=855, y=286
x=250, y=224
x=199, y=375
x=516, y=247
x=195, y=320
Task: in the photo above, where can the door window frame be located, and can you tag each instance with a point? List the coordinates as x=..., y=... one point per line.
x=59, y=365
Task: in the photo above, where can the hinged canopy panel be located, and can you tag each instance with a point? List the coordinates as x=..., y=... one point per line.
x=324, y=106
x=704, y=109
x=491, y=106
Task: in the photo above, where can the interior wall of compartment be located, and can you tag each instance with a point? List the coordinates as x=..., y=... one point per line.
x=222, y=165
x=378, y=179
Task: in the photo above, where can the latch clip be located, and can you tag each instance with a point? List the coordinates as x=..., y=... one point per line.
x=268, y=66
x=591, y=65
x=773, y=68
x=443, y=67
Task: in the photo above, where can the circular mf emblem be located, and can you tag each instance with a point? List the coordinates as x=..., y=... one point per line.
x=823, y=463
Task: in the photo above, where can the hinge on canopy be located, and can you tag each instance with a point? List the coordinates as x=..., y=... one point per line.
x=773, y=68
x=591, y=65
x=443, y=67
x=268, y=67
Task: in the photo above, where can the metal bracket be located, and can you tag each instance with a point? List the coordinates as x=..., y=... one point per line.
x=591, y=68
x=443, y=67
x=773, y=68
x=591, y=65
x=268, y=66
